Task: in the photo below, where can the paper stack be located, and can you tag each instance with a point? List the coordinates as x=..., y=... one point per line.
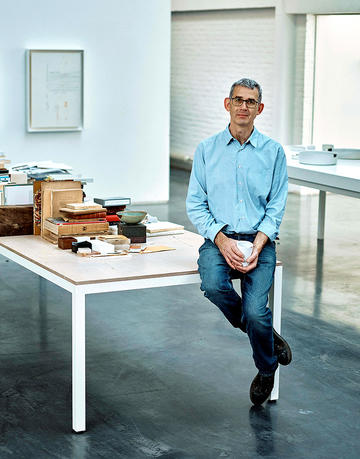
x=163, y=229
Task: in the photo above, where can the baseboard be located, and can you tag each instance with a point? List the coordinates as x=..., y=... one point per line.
x=183, y=163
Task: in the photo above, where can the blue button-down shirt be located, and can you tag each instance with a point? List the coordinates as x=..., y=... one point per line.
x=238, y=188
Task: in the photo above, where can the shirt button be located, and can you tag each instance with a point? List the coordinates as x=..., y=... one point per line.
x=239, y=167
x=241, y=200
x=240, y=183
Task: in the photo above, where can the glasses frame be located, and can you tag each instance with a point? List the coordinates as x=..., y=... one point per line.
x=244, y=101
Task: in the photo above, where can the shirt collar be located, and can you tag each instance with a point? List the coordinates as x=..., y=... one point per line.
x=227, y=135
x=253, y=139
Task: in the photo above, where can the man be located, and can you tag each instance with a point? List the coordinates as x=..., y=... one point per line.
x=237, y=191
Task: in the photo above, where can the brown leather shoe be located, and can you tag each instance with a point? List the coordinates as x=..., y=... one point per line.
x=282, y=349
x=261, y=388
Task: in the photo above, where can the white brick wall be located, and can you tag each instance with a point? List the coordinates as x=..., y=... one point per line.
x=211, y=50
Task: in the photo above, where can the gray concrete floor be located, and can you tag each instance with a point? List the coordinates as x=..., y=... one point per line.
x=168, y=377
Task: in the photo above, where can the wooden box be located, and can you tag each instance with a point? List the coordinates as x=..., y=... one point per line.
x=55, y=195
x=16, y=220
x=76, y=229
x=42, y=204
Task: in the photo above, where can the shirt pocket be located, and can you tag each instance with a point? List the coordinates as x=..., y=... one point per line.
x=258, y=181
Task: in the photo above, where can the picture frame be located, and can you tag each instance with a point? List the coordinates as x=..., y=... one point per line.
x=18, y=195
x=55, y=90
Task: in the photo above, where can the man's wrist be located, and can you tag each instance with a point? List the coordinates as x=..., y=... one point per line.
x=260, y=241
x=219, y=238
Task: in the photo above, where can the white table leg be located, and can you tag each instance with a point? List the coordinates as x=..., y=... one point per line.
x=78, y=361
x=321, y=214
x=275, y=303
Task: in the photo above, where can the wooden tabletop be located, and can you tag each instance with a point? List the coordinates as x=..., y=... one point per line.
x=83, y=270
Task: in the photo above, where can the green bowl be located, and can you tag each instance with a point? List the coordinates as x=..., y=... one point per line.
x=131, y=216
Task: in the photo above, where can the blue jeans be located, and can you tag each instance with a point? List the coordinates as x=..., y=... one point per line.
x=248, y=312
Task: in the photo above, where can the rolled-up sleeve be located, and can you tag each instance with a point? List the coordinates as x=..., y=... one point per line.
x=275, y=206
x=197, y=200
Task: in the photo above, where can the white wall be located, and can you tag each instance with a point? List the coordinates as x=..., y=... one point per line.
x=288, y=75
x=321, y=6
x=289, y=6
x=211, y=50
x=309, y=70
x=292, y=58
x=299, y=52
x=125, y=142
x=202, y=5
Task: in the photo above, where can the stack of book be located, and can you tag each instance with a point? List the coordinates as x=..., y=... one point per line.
x=113, y=205
x=4, y=172
x=79, y=218
x=4, y=175
x=163, y=229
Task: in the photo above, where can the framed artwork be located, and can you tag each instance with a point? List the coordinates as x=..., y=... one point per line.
x=16, y=195
x=55, y=90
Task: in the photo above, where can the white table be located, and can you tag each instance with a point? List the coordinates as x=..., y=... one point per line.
x=342, y=178
x=82, y=276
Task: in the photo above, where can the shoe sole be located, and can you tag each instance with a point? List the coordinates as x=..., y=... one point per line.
x=259, y=401
x=286, y=349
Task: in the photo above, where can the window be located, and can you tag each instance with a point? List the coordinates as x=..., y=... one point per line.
x=336, y=118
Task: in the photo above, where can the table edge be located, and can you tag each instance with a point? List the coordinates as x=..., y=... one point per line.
x=99, y=281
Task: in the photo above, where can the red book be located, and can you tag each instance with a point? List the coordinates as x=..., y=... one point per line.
x=112, y=218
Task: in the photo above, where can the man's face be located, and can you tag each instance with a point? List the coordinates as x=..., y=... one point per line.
x=243, y=116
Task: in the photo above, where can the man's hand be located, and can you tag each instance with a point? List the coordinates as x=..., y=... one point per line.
x=259, y=243
x=234, y=257
x=252, y=260
x=228, y=247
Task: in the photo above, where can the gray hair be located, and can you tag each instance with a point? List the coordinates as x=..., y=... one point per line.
x=246, y=83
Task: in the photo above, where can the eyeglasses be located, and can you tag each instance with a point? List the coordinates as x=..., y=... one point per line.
x=238, y=101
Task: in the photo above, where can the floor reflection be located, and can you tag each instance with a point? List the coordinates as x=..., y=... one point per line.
x=80, y=446
x=318, y=277
x=262, y=425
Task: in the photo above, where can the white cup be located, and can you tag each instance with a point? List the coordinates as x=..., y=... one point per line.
x=246, y=248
